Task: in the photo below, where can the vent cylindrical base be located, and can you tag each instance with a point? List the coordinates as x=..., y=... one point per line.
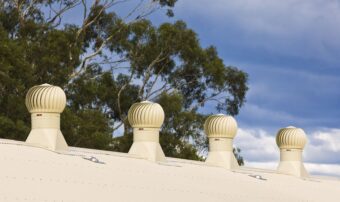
x=291, y=163
x=45, y=120
x=146, y=135
x=290, y=155
x=46, y=132
x=146, y=144
x=220, y=144
x=221, y=153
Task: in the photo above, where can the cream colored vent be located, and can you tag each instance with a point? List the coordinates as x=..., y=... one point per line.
x=221, y=130
x=45, y=103
x=146, y=118
x=291, y=142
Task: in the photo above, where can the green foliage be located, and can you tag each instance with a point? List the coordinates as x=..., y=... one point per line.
x=238, y=156
x=105, y=64
x=84, y=130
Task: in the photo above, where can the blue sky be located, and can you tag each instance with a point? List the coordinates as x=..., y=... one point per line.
x=291, y=52
x=290, y=49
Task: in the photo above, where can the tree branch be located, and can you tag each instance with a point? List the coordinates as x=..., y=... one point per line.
x=119, y=95
x=85, y=9
x=61, y=11
x=87, y=23
x=153, y=83
x=212, y=97
x=84, y=61
x=148, y=73
x=164, y=88
x=118, y=126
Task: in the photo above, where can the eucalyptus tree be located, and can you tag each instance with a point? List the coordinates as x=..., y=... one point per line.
x=106, y=61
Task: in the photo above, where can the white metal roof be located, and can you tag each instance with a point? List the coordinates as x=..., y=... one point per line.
x=34, y=174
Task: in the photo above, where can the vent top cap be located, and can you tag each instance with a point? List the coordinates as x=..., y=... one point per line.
x=291, y=138
x=45, y=98
x=146, y=114
x=220, y=125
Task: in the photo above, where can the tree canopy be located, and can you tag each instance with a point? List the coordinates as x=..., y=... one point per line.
x=107, y=62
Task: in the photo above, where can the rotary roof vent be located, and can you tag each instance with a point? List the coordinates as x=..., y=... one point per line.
x=146, y=118
x=291, y=142
x=221, y=130
x=45, y=103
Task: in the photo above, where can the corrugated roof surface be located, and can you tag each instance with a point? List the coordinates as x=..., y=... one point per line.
x=35, y=174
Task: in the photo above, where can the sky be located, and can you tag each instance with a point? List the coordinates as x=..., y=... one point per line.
x=291, y=52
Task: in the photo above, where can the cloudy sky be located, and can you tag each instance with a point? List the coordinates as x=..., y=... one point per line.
x=291, y=51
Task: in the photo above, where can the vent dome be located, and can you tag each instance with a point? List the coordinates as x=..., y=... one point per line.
x=220, y=125
x=45, y=98
x=146, y=114
x=291, y=138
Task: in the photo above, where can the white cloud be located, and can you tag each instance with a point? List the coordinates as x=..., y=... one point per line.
x=323, y=146
x=331, y=139
x=323, y=169
x=312, y=168
x=256, y=145
x=321, y=155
